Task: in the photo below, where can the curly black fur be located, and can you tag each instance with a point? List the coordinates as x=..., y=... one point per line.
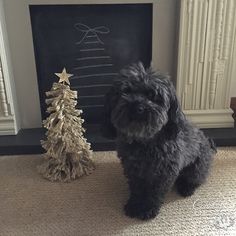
x=157, y=146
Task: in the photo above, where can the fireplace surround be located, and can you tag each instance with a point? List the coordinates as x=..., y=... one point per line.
x=94, y=42
x=17, y=25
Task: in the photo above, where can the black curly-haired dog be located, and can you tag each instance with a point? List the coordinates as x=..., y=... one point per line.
x=157, y=146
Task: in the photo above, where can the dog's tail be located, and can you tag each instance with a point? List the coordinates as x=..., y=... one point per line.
x=212, y=144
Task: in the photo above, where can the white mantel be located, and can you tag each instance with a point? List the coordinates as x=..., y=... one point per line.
x=205, y=59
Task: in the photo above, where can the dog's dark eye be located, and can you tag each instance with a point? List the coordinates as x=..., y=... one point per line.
x=126, y=90
x=155, y=97
x=158, y=100
x=151, y=95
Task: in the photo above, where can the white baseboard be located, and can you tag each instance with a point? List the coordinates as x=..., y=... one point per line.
x=211, y=118
x=7, y=126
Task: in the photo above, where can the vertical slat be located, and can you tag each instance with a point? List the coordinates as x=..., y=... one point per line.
x=194, y=12
x=196, y=53
x=188, y=50
x=210, y=59
x=219, y=18
x=202, y=48
x=181, y=51
x=225, y=16
x=228, y=29
x=203, y=31
x=206, y=54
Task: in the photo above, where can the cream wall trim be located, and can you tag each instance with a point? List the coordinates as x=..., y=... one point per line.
x=4, y=106
x=9, y=119
x=205, y=59
x=210, y=118
x=7, y=125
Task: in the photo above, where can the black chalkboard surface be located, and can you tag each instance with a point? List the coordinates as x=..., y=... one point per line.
x=93, y=42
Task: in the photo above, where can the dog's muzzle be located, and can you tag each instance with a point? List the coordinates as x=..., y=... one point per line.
x=137, y=111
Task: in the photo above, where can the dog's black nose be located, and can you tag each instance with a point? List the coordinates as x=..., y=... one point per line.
x=140, y=109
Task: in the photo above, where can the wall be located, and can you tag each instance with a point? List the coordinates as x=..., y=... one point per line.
x=21, y=47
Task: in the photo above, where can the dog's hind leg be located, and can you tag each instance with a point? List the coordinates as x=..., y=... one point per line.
x=192, y=176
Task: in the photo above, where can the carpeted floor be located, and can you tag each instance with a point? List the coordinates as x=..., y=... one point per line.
x=93, y=205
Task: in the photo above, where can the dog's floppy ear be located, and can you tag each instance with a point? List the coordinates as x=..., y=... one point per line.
x=175, y=113
x=108, y=130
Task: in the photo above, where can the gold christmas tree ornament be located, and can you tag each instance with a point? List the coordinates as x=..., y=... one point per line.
x=64, y=76
x=68, y=154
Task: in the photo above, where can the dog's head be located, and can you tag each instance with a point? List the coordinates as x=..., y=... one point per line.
x=141, y=103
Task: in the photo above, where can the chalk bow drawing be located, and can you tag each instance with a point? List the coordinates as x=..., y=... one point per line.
x=94, y=67
x=91, y=32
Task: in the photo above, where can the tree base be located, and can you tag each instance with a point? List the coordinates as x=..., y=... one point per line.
x=67, y=169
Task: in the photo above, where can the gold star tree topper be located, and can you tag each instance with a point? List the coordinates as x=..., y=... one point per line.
x=64, y=76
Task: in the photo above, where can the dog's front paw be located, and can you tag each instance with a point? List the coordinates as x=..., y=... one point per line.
x=186, y=189
x=142, y=211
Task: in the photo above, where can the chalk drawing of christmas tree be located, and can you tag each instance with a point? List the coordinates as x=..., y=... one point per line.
x=93, y=54
x=94, y=66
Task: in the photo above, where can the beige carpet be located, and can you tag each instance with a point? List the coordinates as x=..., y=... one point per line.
x=32, y=206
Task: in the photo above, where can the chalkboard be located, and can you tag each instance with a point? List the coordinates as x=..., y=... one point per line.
x=93, y=42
